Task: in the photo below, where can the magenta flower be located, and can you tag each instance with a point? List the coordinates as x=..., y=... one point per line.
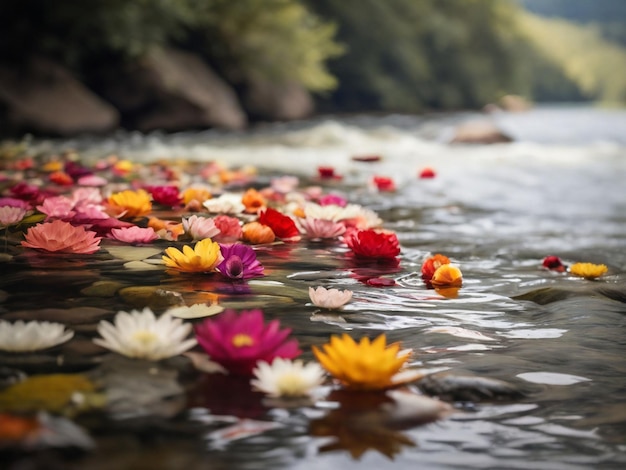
x=133, y=235
x=332, y=200
x=238, y=342
x=165, y=195
x=239, y=262
x=13, y=202
x=62, y=237
x=199, y=228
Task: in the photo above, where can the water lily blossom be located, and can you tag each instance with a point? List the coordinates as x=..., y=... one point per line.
x=238, y=341
x=202, y=258
x=11, y=215
x=588, y=270
x=225, y=204
x=287, y=378
x=239, y=262
x=61, y=237
x=257, y=233
x=130, y=204
x=321, y=228
x=230, y=228
x=366, y=365
x=329, y=298
x=447, y=275
x=32, y=336
x=199, y=228
x=59, y=207
x=134, y=235
x=373, y=244
x=140, y=334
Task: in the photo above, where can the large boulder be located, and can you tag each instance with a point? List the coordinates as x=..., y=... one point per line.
x=479, y=132
x=42, y=96
x=170, y=90
x=275, y=101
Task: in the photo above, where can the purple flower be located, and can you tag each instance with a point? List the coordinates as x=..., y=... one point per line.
x=239, y=262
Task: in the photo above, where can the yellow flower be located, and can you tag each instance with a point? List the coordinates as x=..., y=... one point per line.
x=447, y=275
x=204, y=257
x=588, y=270
x=131, y=203
x=365, y=365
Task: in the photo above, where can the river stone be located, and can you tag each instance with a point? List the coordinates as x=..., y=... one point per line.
x=153, y=297
x=479, y=132
x=132, y=253
x=451, y=387
x=70, y=316
x=44, y=97
x=102, y=289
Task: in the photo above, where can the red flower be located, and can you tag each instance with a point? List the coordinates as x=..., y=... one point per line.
x=165, y=195
x=372, y=244
x=384, y=183
x=431, y=264
x=427, y=173
x=61, y=178
x=328, y=173
x=282, y=226
x=554, y=264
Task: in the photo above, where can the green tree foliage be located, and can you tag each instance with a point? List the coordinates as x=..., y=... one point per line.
x=407, y=56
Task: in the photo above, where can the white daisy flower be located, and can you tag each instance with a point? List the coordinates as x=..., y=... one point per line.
x=32, y=336
x=329, y=298
x=287, y=378
x=144, y=336
x=227, y=203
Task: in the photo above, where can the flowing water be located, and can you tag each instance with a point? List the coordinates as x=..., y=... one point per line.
x=496, y=210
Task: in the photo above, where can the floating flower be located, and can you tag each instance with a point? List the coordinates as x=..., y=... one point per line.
x=230, y=228
x=253, y=200
x=165, y=195
x=59, y=207
x=373, y=244
x=365, y=365
x=62, y=237
x=332, y=199
x=198, y=195
x=285, y=184
x=355, y=215
x=144, y=336
x=134, y=234
x=195, y=311
x=329, y=298
x=321, y=228
x=225, y=204
x=11, y=215
x=61, y=178
x=202, y=258
x=327, y=172
x=166, y=229
x=239, y=262
x=91, y=180
x=32, y=336
x=200, y=228
x=447, y=275
x=554, y=263
x=282, y=225
x=384, y=183
x=131, y=204
x=287, y=378
x=431, y=264
x=427, y=172
x=257, y=233
x=588, y=270
x=238, y=342
x=14, y=202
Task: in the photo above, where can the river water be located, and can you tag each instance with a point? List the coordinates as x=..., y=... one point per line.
x=496, y=211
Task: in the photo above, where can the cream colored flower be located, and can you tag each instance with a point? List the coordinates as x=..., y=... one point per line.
x=329, y=298
x=142, y=335
x=32, y=336
x=225, y=204
x=287, y=378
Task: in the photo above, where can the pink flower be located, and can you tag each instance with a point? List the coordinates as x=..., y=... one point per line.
x=11, y=215
x=62, y=237
x=230, y=228
x=200, y=228
x=133, y=235
x=373, y=244
x=285, y=184
x=59, y=207
x=322, y=228
x=239, y=262
x=91, y=180
x=332, y=200
x=329, y=298
x=13, y=202
x=238, y=342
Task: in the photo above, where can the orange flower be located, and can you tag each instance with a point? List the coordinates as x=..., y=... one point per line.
x=166, y=229
x=131, y=203
x=52, y=166
x=61, y=178
x=431, y=264
x=257, y=233
x=253, y=200
x=122, y=167
x=196, y=194
x=447, y=275
x=17, y=428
